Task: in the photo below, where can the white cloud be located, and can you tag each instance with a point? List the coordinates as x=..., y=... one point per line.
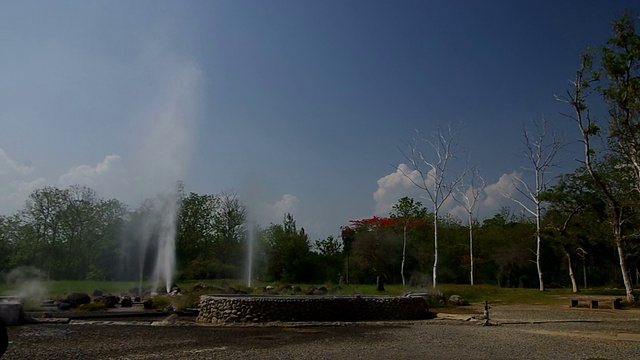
x=87, y=175
x=266, y=213
x=14, y=197
x=11, y=168
x=16, y=183
x=495, y=193
x=108, y=177
x=287, y=204
x=396, y=185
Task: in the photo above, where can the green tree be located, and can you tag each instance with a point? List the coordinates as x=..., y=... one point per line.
x=110, y=220
x=348, y=235
x=9, y=238
x=506, y=250
x=228, y=221
x=573, y=208
x=195, y=236
x=618, y=82
x=329, y=246
x=407, y=210
x=41, y=243
x=328, y=260
x=287, y=250
x=68, y=233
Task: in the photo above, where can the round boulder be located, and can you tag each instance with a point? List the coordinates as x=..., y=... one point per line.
x=458, y=300
x=77, y=299
x=126, y=302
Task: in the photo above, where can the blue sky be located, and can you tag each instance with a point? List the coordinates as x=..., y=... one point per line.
x=297, y=106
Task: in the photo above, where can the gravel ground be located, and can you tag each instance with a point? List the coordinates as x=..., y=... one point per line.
x=520, y=332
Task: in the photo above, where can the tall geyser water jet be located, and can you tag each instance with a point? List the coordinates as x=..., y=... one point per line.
x=164, y=146
x=251, y=230
x=166, y=253
x=157, y=240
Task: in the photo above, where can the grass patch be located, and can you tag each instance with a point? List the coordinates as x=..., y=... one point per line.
x=57, y=289
x=473, y=294
x=506, y=296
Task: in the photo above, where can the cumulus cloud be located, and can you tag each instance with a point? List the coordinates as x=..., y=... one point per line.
x=395, y=186
x=9, y=167
x=17, y=181
x=108, y=177
x=497, y=192
x=266, y=213
x=398, y=184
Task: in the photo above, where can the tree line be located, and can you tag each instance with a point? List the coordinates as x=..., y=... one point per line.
x=74, y=234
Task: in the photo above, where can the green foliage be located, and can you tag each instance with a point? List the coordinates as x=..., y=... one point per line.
x=203, y=268
x=329, y=246
x=288, y=252
x=67, y=233
x=161, y=302
x=328, y=262
x=196, y=231
x=407, y=208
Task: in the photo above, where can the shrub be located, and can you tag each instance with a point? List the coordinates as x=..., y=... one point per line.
x=96, y=306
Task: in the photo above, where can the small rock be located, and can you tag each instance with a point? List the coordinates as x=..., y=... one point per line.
x=126, y=302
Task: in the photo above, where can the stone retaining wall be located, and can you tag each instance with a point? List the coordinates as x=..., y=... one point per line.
x=11, y=310
x=219, y=309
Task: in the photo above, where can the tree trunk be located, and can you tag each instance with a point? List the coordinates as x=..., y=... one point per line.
x=347, y=277
x=626, y=277
x=404, y=252
x=471, y=247
x=574, y=283
x=435, y=253
x=538, y=241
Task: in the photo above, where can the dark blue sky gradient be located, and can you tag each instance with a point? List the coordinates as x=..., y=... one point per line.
x=308, y=98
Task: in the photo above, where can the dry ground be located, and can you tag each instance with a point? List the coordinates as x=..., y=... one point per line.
x=519, y=332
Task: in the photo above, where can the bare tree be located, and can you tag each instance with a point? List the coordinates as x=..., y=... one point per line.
x=433, y=176
x=541, y=153
x=469, y=196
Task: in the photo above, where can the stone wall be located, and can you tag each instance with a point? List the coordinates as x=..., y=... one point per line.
x=219, y=309
x=11, y=310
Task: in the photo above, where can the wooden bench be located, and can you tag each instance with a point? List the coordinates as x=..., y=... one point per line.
x=593, y=303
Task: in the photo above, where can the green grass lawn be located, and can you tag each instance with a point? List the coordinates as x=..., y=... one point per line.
x=473, y=294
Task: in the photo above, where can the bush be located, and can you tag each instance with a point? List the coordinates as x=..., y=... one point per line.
x=96, y=306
